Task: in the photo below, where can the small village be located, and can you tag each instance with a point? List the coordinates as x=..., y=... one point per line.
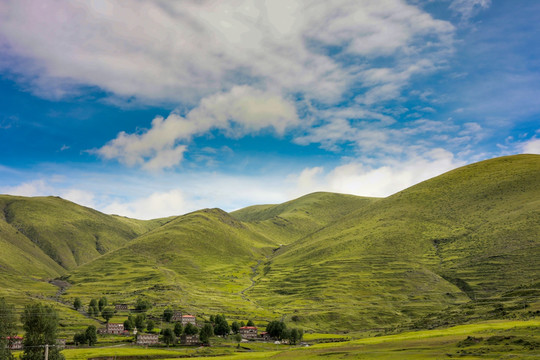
x=176, y=328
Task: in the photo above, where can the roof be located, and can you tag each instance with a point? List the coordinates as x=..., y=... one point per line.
x=249, y=327
x=188, y=316
x=14, y=337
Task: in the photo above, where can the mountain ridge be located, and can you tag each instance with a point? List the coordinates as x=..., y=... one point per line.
x=437, y=247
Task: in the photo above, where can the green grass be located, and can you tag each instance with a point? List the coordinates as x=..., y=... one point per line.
x=460, y=248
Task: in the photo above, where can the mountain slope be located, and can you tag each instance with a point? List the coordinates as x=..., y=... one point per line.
x=297, y=218
x=469, y=233
x=202, y=260
x=67, y=233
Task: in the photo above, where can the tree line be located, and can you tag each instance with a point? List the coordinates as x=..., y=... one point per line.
x=40, y=324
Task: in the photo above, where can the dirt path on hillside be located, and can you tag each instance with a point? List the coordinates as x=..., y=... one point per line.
x=62, y=287
x=254, y=273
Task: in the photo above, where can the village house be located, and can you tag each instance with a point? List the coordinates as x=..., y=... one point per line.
x=147, y=339
x=189, y=339
x=121, y=307
x=188, y=319
x=112, y=328
x=248, y=332
x=177, y=316
x=264, y=336
x=15, y=342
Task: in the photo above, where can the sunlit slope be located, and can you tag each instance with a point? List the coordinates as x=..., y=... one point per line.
x=297, y=218
x=200, y=261
x=67, y=233
x=472, y=232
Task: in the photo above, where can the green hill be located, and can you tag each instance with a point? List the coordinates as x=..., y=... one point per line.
x=468, y=234
x=43, y=237
x=67, y=233
x=297, y=218
x=459, y=247
x=201, y=261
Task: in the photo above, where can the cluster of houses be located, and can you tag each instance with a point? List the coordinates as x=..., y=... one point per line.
x=247, y=332
x=152, y=339
x=143, y=339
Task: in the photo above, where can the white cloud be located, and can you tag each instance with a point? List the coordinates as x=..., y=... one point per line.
x=183, y=51
x=31, y=188
x=158, y=204
x=241, y=111
x=81, y=197
x=383, y=180
x=531, y=146
x=43, y=187
x=469, y=8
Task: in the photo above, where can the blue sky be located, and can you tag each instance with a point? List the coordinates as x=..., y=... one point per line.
x=156, y=108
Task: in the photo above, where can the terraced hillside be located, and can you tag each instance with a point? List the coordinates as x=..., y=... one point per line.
x=297, y=218
x=205, y=260
x=468, y=234
x=42, y=238
x=460, y=247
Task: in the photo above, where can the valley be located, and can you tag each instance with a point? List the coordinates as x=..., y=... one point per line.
x=461, y=248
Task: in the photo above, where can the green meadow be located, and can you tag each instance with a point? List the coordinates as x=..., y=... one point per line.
x=409, y=275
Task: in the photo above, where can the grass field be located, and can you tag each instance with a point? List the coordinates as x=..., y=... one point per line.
x=457, y=249
x=486, y=340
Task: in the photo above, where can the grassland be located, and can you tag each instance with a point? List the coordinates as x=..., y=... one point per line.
x=491, y=340
x=460, y=248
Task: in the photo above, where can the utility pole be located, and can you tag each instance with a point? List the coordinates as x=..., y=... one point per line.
x=47, y=352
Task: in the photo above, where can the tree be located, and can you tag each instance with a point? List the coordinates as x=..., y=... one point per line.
x=93, y=308
x=250, y=323
x=143, y=305
x=77, y=304
x=275, y=329
x=295, y=336
x=235, y=326
x=91, y=335
x=178, y=329
x=206, y=332
x=40, y=323
x=7, y=328
x=191, y=329
x=129, y=324
x=140, y=321
x=285, y=334
x=102, y=303
x=150, y=325
x=168, y=337
x=221, y=327
x=107, y=313
x=238, y=339
x=167, y=315
x=79, y=338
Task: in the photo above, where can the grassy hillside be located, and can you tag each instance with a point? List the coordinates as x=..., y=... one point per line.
x=297, y=218
x=467, y=234
x=200, y=261
x=43, y=237
x=461, y=247
x=67, y=233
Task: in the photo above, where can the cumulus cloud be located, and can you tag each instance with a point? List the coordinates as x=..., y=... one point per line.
x=158, y=204
x=183, y=51
x=240, y=111
x=531, y=146
x=361, y=178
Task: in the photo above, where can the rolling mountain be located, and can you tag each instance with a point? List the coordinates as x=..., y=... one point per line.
x=461, y=244
x=468, y=234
